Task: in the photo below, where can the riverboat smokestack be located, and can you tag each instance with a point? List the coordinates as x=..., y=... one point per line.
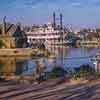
x=54, y=20
x=61, y=23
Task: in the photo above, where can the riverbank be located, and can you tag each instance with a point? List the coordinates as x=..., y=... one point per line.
x=17, y=52
x=20, y=52
x=95, y=44
x=51, y=89
x=24, y=52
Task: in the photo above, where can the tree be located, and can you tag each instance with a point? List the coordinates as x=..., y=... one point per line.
x=1, y=44
x=98, y=30
x=84, y=30
x=85, y=71
x=0, y=31
x=58, y=72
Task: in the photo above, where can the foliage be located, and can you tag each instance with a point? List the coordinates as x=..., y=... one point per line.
x=1, y=44
x=57, y=72
x=40, y=53
x=97, y=75
x=47, y=53
x=85, y=71
x=84, y=30
x=98, y=30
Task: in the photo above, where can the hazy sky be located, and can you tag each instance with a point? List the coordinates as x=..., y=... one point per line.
x=75, y=12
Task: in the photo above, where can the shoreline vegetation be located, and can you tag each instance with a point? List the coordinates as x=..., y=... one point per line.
x=83, y=73
x=22, y=52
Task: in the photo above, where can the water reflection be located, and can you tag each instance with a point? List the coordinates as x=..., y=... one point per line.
x=12, y=65
x=28, y=66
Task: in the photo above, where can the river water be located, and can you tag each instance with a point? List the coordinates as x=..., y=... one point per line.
x=69, y=58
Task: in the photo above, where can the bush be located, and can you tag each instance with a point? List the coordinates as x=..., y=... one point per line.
x=1, y=44
x=97, y=75
x=57, y=72
x=85, y=71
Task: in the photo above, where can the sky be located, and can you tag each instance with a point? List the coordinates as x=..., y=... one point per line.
x=79, y=13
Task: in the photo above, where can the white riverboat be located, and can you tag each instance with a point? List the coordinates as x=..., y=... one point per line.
x=46, y=35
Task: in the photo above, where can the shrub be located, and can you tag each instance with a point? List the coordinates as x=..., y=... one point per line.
x=1, y=44
x=85, y=71
x=57, y=72
x=97, y=75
